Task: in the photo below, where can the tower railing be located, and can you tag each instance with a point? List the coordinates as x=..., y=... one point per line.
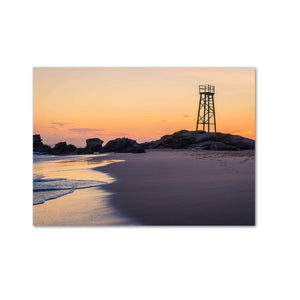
x=206, y=89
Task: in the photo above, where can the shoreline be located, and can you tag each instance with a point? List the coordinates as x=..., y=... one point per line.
x=185, y=187
x=84, y=205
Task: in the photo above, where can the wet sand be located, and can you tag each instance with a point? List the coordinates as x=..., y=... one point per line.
x=181, y=187
x=86, y=207
x=83, y=207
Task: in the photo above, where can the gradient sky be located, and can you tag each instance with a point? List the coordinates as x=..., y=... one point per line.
x=73, y=104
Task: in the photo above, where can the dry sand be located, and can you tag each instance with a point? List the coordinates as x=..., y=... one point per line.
x=181, y=187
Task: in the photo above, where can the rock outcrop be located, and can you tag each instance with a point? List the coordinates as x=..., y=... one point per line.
x=63, y=149
x=38, y=145
x=201, y=140
x=123, y=145
x=82, y=151
x=182, y=139
x=93, y=145
x=37, y=141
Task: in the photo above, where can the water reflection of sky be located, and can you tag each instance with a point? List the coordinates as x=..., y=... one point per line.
x=75, y=167
x=76, y=206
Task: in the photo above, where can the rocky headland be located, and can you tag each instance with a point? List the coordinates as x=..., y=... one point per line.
x=182, y=139
x=201, y=140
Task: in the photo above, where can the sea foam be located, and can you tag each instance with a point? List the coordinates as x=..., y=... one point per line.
x=54, y=177
x=48, y=189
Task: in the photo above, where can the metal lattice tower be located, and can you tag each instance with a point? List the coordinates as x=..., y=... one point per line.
x=206, y=110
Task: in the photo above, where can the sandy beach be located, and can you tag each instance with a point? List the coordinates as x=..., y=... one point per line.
x=184, y=187
x=86, y=207
x=82, y=203
x=160, y=187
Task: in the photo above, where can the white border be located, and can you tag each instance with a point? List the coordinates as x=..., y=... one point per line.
x=153, y=263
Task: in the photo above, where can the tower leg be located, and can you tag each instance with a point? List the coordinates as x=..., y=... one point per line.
x=208, y=112
x=214, y=115
x=198, y=114
x=204, y=115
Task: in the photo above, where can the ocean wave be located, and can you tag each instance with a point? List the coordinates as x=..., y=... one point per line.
x=41, y=197
x=52, y=188
x=41, y=154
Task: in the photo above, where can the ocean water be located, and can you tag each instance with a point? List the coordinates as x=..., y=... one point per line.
x=56, y=176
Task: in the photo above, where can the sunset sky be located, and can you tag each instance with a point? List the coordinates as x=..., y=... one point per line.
x=73, y=104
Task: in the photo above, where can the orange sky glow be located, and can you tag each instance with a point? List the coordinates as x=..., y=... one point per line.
x=73, y=104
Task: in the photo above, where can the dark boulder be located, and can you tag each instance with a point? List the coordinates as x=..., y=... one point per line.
x=201, y=140
x=93, y=145
x=45, y=149
x=123, y=145
x=212, y=145
x=71, y=149
x=138, y=148
x=38, y=145
x=179, y=140
x=37, y=141
x=237, y=141
x=60, y=148
x=82, y=151
x=152, y=145
x=63, y=149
